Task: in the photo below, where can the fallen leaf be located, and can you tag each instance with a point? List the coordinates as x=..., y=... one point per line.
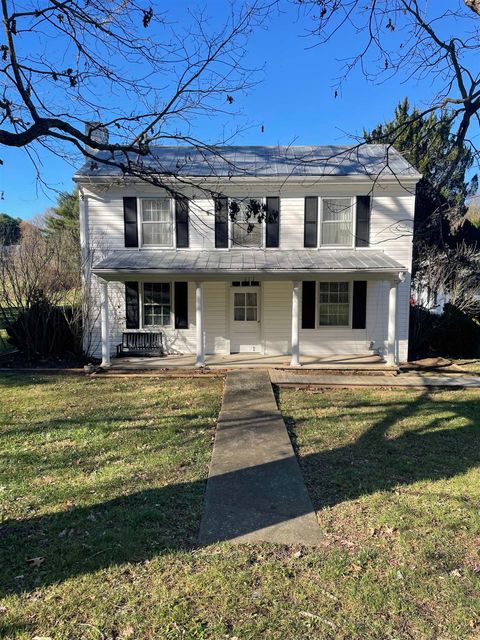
x=36, y=562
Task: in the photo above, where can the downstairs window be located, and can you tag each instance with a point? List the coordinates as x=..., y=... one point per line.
x=334, y=304
x=156, y=304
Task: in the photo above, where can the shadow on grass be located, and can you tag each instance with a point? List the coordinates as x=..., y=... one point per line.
x=137, y=527
x=377, y=462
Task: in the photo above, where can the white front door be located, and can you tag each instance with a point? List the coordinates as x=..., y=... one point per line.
x=245, y=320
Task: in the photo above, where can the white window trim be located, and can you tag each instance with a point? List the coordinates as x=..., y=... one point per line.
x=148, y=327
x=235, y=247
x=336, y=327
x=140, y=223
x=353, y=206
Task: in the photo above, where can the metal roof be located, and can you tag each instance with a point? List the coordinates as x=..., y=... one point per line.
x=244, y=262
x=278, y=161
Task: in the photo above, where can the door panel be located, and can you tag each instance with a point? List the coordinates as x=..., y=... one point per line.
x=245, y=320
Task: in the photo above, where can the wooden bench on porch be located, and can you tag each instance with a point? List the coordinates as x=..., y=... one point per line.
x=141, y=343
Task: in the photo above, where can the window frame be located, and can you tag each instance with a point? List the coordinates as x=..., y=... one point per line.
x=141, y=295
x=231, y=245
x=353, y=207
x=141, y=222
x=245, y=291
x=350, y=306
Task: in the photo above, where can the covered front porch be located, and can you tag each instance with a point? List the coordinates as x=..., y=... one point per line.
x=314, y=309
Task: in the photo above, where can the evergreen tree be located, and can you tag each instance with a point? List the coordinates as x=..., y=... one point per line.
x=10, y=230
x=443, y=191
x=65, y=215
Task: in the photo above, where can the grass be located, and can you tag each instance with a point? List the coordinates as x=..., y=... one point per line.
x=102, y=494
x=471, y=365
x=394, y=477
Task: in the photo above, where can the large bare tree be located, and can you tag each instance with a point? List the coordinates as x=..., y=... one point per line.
x=139, y=74
x=434, y=43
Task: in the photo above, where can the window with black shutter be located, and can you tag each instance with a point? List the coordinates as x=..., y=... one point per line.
x=130, y=222
x=181, y=223
x=221, y=223
x=310, y=233
x=272, y=232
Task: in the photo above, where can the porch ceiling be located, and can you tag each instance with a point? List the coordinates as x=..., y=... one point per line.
x=273, y=263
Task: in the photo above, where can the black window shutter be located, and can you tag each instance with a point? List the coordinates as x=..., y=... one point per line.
x=221, y=223
x=181, y=305
x=130, y=222
x=359, y=306
x=310, y=231
x=362, y=238
x=272, y=235
x=132, y=305
x=181, y=223
x=309, y=288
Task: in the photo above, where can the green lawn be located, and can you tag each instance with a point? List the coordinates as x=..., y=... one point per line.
x=101, y=497
x=395, y=479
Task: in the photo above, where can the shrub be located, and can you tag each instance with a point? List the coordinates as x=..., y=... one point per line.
x=452, y=334
x=44, y=331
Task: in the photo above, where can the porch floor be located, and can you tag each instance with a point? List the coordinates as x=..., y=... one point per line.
x=366, y=362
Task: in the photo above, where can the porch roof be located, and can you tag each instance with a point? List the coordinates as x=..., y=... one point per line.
x=214, y=262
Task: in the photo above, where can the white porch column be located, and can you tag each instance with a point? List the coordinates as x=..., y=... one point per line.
x=295, y=361
x=106, y=361
x=392, y=323
x=200, y=359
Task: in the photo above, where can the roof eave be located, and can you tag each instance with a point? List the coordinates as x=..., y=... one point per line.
x=401, y=180
x=198, y=274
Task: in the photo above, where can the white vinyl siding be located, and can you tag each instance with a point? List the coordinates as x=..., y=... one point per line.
x=390, y=231
x=156, y=222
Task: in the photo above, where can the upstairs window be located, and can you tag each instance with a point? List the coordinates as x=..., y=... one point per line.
x=157, y=222
x=156, y=304
x=246, y=230
x=337, y=222
x=334, y=304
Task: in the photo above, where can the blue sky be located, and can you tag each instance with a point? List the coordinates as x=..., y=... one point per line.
x=294, y=101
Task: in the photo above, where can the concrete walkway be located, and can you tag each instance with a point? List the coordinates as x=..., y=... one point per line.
x=283, y=377
x=255, y=490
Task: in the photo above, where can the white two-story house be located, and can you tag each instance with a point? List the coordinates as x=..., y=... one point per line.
x=326, y=271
